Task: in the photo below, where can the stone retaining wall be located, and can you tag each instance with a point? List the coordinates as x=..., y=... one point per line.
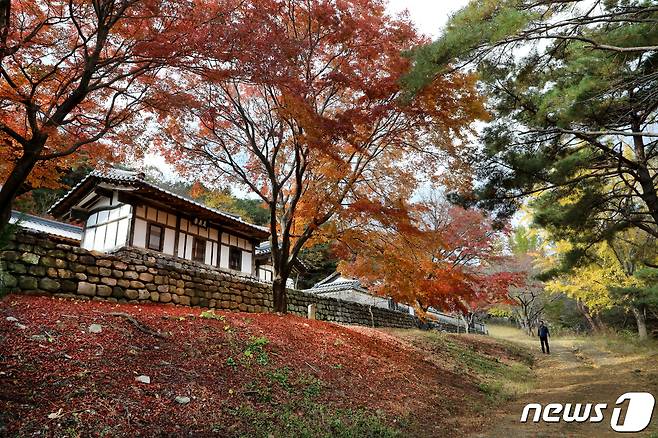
x=35, y=264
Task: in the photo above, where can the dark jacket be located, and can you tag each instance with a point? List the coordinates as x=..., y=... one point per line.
x=543, y=332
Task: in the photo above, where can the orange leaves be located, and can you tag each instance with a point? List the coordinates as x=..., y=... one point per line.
x=79, y=80
x=434, y=255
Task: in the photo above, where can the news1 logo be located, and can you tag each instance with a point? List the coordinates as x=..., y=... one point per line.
x=637, y=418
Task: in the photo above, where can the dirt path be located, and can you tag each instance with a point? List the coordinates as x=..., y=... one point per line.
x=576, y=373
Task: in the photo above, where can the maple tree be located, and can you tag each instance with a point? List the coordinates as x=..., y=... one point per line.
x=74, y=73
x=309, y=115
x=437, y=255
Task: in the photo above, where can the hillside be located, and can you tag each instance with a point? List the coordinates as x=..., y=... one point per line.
x=69, y=368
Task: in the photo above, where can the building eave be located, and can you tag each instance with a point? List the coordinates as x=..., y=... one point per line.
x=136, y=185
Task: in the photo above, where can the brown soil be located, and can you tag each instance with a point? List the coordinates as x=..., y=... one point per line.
x=576, y=372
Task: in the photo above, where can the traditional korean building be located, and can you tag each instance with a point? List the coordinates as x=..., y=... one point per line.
x=265, y=269
x=118, y=208
x=58, y=231
x=349, y=289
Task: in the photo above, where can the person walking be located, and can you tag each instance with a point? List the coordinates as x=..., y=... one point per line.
x=543, y=337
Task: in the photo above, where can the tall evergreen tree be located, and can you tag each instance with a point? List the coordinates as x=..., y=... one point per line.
x=572, y=89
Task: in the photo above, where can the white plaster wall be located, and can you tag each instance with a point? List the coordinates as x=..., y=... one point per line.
x=224, y=257
x=246, y=262
x=139, y=236
x=169, y=241
x=215, y=252
x=188, y=247
x=208, y=253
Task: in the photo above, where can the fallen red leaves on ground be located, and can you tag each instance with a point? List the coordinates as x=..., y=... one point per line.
x=56, y=375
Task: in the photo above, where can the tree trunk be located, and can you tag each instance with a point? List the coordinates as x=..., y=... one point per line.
x=641, y=322
x=12, y=186
x=584, y=310
x=600, y=324
x=280, y=295
x=461, y=316
x=649, y=195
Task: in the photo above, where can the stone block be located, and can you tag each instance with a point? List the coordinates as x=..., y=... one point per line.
x=30, y=258
x=165, y=297
x=69, y=286
x=7, y=280
x=146, y=277
x=123, y=283
x=118, y=292
x=103, y=290
x=9, y=256
x=131, y=275
x=104, y=272
x=47, y=261
x=87, y=289
x=17, y=268
x=131, y=294
x=109, y=281
x=105, y=263
x=87, y=259
x=37, y=270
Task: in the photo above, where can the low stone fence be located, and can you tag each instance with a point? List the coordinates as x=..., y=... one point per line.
x=35, y=264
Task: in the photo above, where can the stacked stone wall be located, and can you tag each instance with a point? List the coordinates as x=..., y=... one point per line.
x=36, y=264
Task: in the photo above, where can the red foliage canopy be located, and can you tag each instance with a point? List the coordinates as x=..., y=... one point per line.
x=77, y=72
x=438, y=256
x=300, y=102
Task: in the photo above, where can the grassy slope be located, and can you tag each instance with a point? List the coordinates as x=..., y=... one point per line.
x=245, y=374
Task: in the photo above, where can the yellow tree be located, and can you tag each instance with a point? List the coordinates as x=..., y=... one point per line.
x=610, y=268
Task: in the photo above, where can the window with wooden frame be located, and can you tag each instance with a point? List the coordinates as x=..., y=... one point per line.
x=199, y=250
x=154, y=237
x=235, y=258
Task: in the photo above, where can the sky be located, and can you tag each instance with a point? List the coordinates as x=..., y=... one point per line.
x=429, y=16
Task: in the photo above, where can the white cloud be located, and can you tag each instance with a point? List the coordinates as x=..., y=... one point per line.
x=429, y=16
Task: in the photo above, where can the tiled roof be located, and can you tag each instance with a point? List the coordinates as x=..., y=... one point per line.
x=264, y=248
x=48, y=226
x=118, y=176
x=336, y=283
